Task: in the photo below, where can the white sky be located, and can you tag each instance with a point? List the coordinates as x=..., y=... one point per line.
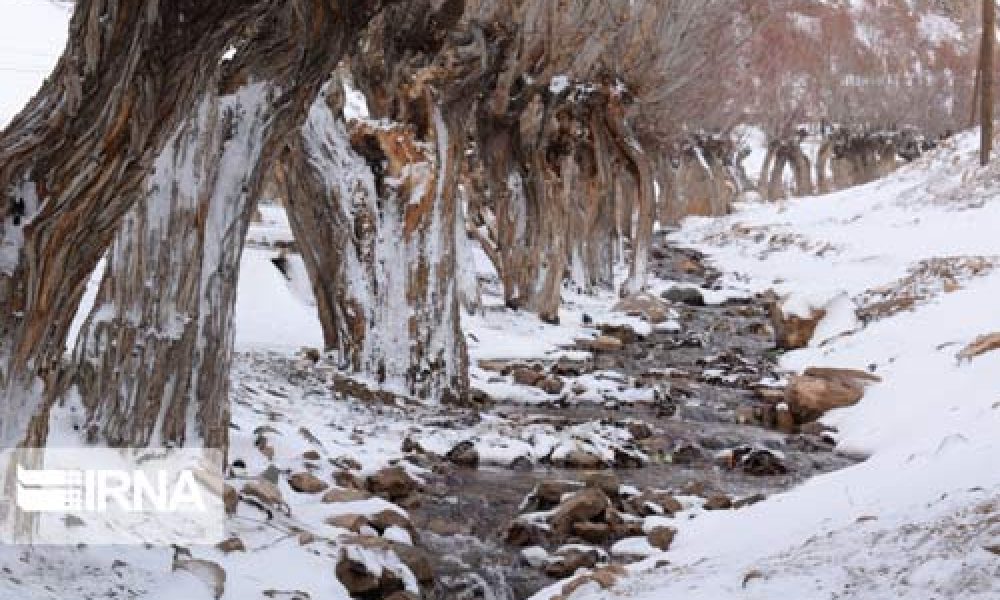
x=32, y=35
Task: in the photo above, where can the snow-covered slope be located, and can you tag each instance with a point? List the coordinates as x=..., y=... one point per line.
x=915, y=519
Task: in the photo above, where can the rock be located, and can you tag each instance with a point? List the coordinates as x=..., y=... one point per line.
x=607, y=481
x=582, y=506
x=784, y=420
x=718, y=502
x=230, y=499
x=356, y=577
x=351, y=522
x=763, y=463
x=391, y=518
x=345, y=495
x=568, y=562
x=402, y=596
x=464, y=455
x=208, y=572
x=792, y=331
x=639, y=430
x=345, y=462
x=594, y=533
x=662, y=537
x=523, y=533
x=606, y=577
x=233, y=544
x=305, y=538
x=685, y=295
x=265, y=448
x=623, y=332
x=311, y=455
x=549, y=494
x=579, y=459
x=307, y=483
x=416, y=559
x=527, y=376
x=663, y=501
x=982, y=345
x=644, y=305
x=265, y=491
x=551, y=384
x=811, y=395
x=603, y=343
x=393, y=483
x=346, y=479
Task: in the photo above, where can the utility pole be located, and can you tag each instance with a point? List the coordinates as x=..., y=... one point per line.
x=986, y=76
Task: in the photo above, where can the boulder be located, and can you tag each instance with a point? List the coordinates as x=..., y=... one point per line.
x=391, y=483
x=606, y=481
x=718, y=502
x=579, y=459
x=568, y=562
x=265, y=491
x=811, y=395
x=581, y=507
x=603, y=343
x=464, y=455
x=526, y=376
x=793, y=331
x=685, y=295
x=233, y=544
x=350, y=522
x=594, y=533
x=307, y=483
x=345, y=495
x=523, y=533
x=549, y=494
x=647, y=306
x=551, y=384
x=662, y=537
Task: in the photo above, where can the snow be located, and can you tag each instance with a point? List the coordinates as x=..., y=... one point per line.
x=912, y=520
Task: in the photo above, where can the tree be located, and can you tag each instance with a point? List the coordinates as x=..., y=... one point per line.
x=130, y=92
x=986, y=79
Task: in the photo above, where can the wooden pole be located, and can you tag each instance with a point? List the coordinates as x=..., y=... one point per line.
x=986, y=66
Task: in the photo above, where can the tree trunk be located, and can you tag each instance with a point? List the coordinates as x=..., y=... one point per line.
x=986, y=69
x=74, y=160
x=172, y=387
x=642, y=234
x=375, y=209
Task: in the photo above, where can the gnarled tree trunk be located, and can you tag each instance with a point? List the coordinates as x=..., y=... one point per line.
x=152, y=362
x=375, y=210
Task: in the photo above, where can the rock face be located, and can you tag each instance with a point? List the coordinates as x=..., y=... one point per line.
x=792, y=331
x=810, y=395
x=644, y=305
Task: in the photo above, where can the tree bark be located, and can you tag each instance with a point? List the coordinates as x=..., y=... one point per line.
x=74, y=160
x=986, y=70
x=375, y=209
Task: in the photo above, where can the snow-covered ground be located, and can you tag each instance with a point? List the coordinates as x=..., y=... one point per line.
x=915, y=519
